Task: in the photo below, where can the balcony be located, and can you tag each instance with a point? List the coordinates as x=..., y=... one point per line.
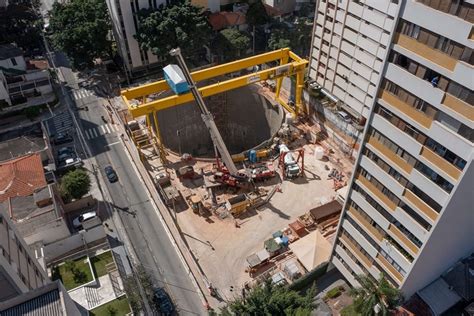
x=426, y=52
x=356, y=251
x=389, y=268
x=459, y=106
x=375, y=191
x=402, y=164
x=371, y=230
x=406, y=109
x=400, y=237
x=441, y=163
x=420, y=205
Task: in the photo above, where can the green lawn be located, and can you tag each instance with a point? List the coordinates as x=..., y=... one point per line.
x=119, y=306
x=68, y=278
x=99, y=262
x=349, y=311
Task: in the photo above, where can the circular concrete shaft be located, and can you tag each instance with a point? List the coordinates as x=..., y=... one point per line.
x=244, y=117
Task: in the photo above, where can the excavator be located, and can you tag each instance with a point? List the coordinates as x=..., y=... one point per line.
x=180, y=80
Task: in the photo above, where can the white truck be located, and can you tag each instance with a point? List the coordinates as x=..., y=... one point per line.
x=292, y=170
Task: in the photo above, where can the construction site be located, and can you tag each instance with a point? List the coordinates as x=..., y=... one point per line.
x=252, y=184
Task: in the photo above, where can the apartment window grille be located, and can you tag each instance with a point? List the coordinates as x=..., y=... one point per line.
x=392, y=262
x=421, y=138
x=459, y=8
x=436, y=41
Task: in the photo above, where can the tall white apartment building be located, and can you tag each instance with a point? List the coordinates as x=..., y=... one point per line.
x=124, y=19
x=407, y=67
x=20, y=271
x=123, y=14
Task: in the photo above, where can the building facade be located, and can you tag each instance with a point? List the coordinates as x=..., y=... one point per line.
x=49, y=300
x=23, y=82
x=123, y=13
x=407, y=68
x=20, y=271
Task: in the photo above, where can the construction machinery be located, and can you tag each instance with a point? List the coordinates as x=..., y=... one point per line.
x=141, y=100
x=289, y=164
x=207, y=117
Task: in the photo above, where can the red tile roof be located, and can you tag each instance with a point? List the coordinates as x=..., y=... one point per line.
x=271, y=11
x=221, y=20
x=21, y=176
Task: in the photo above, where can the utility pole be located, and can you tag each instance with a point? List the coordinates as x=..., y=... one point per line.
x=253, y=45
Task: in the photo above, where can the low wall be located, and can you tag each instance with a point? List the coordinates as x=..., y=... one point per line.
x=61, y=247
x=87, y=201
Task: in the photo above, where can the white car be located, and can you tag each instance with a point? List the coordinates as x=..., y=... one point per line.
x=77, y=222
x=344, y=116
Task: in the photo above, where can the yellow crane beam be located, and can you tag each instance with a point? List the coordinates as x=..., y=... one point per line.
x=290, y=64
x=155, y=87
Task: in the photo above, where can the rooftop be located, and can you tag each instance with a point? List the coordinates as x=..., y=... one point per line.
x=461, y=278
x=45, y=301
x=9, y=51
x=454, y=286
x=21, y=141
x=222, y=20
x=21, y=176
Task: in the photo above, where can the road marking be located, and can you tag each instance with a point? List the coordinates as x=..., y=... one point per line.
x=102, y=128
x=87, y=134
x=94, y=132
x=115, y=143
x=107, y=128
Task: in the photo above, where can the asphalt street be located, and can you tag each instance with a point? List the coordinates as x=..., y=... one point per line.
x=144, y=229
x=129, y=198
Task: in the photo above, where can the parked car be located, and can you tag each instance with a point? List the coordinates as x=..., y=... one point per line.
x=111, y=174
x=65, y=150
x=77, y=222
x=344, y=116
x=62, y=138
x=163, y=301
x=72, y=162
x=65, y=156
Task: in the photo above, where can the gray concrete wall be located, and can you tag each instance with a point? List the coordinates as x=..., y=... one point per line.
x=251, y=119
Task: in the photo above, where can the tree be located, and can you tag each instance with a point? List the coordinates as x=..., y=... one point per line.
x=277, y=41
x=257, y=15
x=280, y=36
x=301, y=40
x=179, y=24
x=270, y=299
x=372, y=293
x=80, y=29
x=75, y=184
x=21, y=24
x=231, y=42
x=297, y=37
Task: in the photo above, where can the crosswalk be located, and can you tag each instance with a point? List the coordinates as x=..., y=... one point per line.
x=62, y=122
x=81, y=94
x=100, y=130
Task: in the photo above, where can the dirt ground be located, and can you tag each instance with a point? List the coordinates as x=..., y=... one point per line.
x=221, y=248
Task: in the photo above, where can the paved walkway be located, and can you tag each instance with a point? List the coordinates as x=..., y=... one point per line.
x=91, y=296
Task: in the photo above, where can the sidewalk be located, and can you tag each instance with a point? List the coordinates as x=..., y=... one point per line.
x=194, y=269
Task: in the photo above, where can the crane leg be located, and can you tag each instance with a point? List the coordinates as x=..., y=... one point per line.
x=159, y=140
x=299, y=92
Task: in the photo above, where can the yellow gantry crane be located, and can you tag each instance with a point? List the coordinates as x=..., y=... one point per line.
x=139, y=102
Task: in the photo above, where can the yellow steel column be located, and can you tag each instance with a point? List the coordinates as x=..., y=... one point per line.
x=283, y=61
x=161, y=148
x=298, y=93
